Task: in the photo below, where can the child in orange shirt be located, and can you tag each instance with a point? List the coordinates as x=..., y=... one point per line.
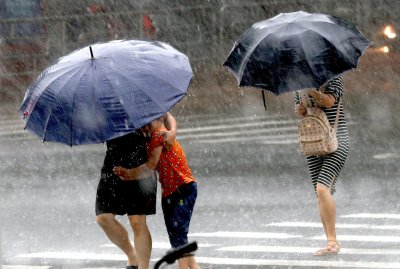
x=179, y=187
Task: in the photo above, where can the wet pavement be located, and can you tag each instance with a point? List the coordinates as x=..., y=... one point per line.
x=255, y=208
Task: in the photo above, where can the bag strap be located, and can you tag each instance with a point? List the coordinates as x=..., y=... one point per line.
x=337, y=115
x=305, y=98
x=307, y=103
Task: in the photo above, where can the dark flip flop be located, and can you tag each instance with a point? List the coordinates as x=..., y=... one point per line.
x=131, y=267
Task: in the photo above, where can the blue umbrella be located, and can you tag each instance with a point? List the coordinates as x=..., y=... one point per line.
x=293, y=51
x=105, y=91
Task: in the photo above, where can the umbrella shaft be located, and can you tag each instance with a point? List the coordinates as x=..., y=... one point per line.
x=91, y=52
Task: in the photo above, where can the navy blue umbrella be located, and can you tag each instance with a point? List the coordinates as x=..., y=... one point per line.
x=105, y=91
x=293, y=51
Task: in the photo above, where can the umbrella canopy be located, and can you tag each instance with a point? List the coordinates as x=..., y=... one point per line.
x=293, y=51
x=105, y=91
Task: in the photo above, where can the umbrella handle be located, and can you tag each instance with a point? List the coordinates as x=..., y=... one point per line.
x=91, y=52
x=265, y=103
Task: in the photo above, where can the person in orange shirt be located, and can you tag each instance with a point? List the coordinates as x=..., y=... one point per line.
x=179, y=187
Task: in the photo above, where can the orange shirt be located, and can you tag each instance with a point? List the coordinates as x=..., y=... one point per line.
x=173, y=168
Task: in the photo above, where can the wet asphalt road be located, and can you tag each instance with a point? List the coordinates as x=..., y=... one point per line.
x=255, y=207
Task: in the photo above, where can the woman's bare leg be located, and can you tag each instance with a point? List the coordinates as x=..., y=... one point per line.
x=117, y=234
x=142, y=239
x=327, y=209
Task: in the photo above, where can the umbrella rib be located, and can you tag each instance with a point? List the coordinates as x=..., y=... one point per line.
x=73, y=102
x=47, y=72
x=324, y=36
x=94, y=100
x=141, y=90
x=250, y=51
x=307, y=58
x=166, y=82
x=105, y=75
x=53, y=103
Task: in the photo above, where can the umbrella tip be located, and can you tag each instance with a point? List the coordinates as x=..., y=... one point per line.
x=91, y=52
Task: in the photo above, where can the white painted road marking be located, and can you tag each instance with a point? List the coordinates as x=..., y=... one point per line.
x=363, y=238
x=387, y=155
x=246, y=235
x=288, y=258
x=268, y=130
x=75, y=256
x=372, y=216
x=25, y=267
x=235, y=126
x=211, y=260
x=302, y=263
x=236, y=133
x=281, y=249
x=162, y=245
x=267, y=139
x=338, y=225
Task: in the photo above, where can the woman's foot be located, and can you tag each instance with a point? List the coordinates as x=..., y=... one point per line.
x=332, y=248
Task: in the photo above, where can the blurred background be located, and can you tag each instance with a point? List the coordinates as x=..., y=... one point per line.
x=34, y=33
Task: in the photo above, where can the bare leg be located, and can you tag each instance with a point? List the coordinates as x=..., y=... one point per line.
x=183, y=263
x=327, y=209
x=118, y=235
x=192, y=263
x=188, y=262
x=143, y=243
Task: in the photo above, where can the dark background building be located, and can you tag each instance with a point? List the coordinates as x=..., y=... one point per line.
x=34, y=33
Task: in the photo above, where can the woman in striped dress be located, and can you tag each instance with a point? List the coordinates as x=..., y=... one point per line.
x=324, y=170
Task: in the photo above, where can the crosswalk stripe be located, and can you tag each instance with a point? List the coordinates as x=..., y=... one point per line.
x=265, y=139
x=99, y=267
x=240, y=132
x=12, y=132
x=345, y=252
x=161, y=245
x=5, y=123
x=301, y=263
x=247, y=262
x=258, y=262
x=74, y=256
x=216, y=119
x=372, y=216
x=246, y=235
x=234, y=126
x=281, y=249
x=217, y=133
x=387, y=155
x=24, y=267
x=279, y=142
x=338, y=225
x=362, y=238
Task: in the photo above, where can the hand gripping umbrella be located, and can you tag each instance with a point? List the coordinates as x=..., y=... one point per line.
x=105, y=91
x=293, y=51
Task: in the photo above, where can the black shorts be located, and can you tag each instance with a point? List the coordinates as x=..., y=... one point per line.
x=131, y=197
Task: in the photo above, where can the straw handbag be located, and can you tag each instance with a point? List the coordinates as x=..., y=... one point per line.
x=316, y=136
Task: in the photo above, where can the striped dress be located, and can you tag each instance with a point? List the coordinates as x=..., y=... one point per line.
x=325, y=169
